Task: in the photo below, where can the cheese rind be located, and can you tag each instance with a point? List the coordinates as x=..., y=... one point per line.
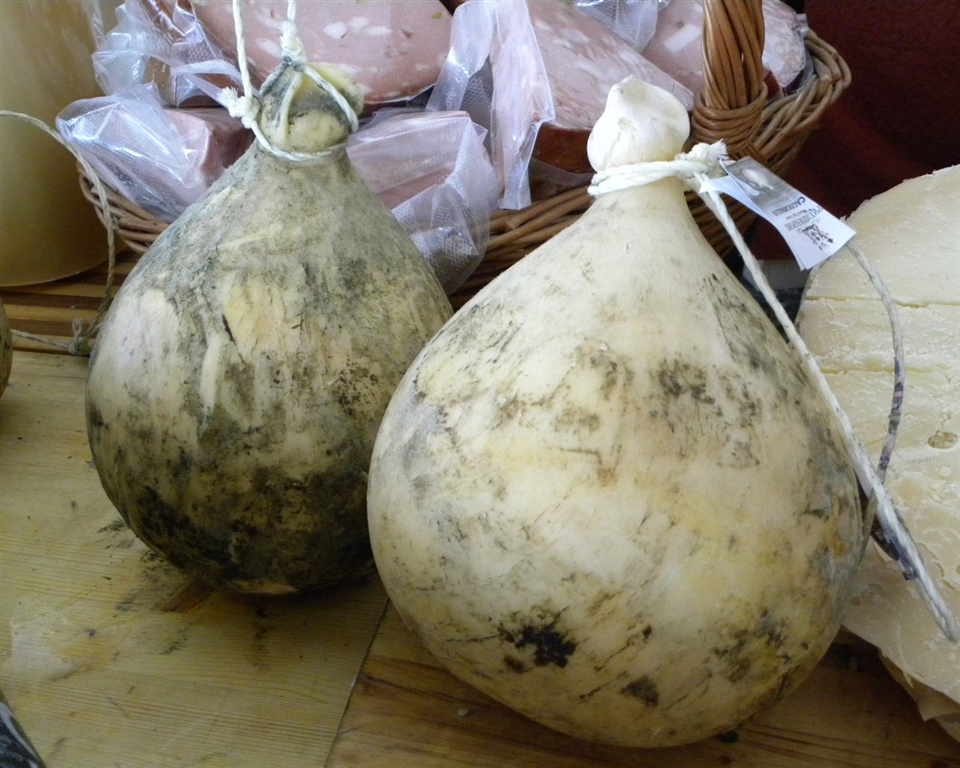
x=912, y=236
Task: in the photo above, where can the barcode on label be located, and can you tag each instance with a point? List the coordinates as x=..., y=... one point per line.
x=812, y=233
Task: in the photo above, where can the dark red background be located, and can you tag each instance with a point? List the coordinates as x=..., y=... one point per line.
x=900, y=118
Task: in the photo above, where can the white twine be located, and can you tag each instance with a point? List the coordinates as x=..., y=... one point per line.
x=83, y=336
x=695, y=168
x=247, y=107
x=702, y=159
x=290, y=42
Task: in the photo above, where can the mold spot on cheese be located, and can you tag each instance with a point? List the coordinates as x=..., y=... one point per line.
x=749, y=650
x=545, y=642
x=677, y=378
x=643, y=688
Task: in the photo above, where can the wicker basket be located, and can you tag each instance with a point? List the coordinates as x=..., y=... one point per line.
x=732, y=106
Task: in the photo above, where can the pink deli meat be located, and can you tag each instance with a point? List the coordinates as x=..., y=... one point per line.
x=583, y=60
x=394, y=48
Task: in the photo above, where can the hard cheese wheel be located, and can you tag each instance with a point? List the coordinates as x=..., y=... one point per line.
x=911, y=234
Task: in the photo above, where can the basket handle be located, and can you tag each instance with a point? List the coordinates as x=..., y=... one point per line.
x=730, y=105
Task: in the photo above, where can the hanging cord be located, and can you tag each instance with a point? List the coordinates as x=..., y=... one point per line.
x=83, y=336
x=887, y=544
x=290, y=42
x=899, y=372
x=247, y=107
x=695, y=168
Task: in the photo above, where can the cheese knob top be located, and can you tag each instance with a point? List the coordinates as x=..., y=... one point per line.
x=300, y=116
x=640, y=123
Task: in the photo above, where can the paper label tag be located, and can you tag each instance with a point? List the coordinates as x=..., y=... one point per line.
x=812, y=233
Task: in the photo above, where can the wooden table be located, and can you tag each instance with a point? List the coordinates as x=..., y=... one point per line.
x=112, y=659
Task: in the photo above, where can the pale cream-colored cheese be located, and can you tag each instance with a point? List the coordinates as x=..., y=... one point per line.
x=911, y=234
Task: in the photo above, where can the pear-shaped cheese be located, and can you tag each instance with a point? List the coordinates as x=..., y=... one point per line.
x=607, y=493
x=236, y=388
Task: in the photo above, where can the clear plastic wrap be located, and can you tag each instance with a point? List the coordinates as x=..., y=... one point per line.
x=784, y=52
x=160, y=41
x=161, y=158
x=633, y=20
x=495, y=72
x=432, y=171
x=537, y=75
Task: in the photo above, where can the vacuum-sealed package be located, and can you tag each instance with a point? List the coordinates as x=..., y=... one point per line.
x=537, y=75
x=677, y=46
x=633, y=20
x=432, y=171
x=160, y=41
x=159, y=157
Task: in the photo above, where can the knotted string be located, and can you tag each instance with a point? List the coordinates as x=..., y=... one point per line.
x=247, y=107
x=695, y=168
x=290, y=42
x=701, y=159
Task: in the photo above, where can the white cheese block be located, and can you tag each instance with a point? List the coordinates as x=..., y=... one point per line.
x=928, y=422
x=855, y=334
x=911, y=234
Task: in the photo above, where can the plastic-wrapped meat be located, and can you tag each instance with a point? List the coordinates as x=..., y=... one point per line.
x=784, y=52
x=393, y=48
x=161, y=158
x=676, y=45
x=431, y=170
x=583, y=60
x=536, y=74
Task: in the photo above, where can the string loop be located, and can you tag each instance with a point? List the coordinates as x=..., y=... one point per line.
x=246, y=106
x=83, y=335
x=702, y=160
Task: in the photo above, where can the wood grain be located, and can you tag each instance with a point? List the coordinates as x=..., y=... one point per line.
x=113, y=659
x=49, y=309
x=406, y=712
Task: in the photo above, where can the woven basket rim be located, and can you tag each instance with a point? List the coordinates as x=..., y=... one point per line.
x=772, y=132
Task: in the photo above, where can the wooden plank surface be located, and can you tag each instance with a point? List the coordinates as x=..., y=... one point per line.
x=109, y=657
x=406, y=712
x=49, y=309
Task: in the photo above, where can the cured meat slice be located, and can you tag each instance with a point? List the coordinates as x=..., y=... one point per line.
x=393, y=48
x=583, y=60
